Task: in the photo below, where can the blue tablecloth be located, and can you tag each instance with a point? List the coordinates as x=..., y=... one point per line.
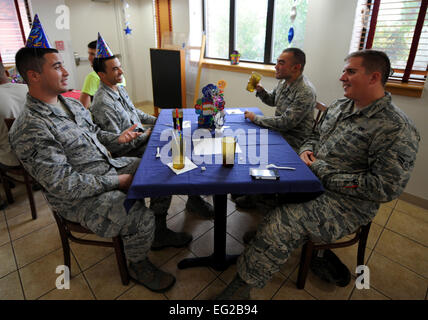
x=153, y=178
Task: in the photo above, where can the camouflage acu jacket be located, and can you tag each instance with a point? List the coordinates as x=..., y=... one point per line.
x=68, y=157
x=294, y=110
x=364, y=154
x=114, y=112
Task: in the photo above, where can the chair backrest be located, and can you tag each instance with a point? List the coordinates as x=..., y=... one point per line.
x=321, y=107
x=9, y=122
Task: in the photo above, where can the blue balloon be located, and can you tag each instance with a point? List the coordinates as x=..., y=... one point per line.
x=290, y=34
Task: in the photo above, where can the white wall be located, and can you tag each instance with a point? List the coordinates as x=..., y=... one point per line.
x=88, y=18
x=46, y=11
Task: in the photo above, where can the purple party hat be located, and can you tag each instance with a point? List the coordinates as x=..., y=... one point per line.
x=37, y=37
x=103, y=50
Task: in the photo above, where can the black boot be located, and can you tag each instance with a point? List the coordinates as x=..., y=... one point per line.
x=327, y=266
x=197, y=205
x=238, y=289
x=165, y=237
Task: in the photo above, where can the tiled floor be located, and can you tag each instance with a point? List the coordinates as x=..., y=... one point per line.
x=30, y=251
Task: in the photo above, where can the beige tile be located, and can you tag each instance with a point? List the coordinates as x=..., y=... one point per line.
x=21, y=204
x=240, y=222
x=383, y=214
x=394, y=280
x=139, y=292
x=184, y=222
x=79, y=290
x=204, y=246
x=10, y=287
x=348, y=256
x=190, y=282
x=39, y=277
x=292, y=263
x=4, y=232
x=24, y=224
x=228, y=274
x=212, y=291
x=289, y=291
x=270, y=289
x=323, y=290
x=374, y=234
x=368, y=294
x=415, y=229
x=88, y=255
x=159, y=258
x=392, y=203
x=37, y=244
x=7, y=259
x=412, y=210
x=404, y=251
x=104, y=279
x=177, y=206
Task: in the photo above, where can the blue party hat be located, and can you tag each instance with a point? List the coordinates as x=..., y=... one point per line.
x=37, y=37
x=103, y=50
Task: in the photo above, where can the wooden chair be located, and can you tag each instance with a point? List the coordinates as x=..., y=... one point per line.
x=19, y=171
x=321, y=107
x=65, y=230
x=308, y=249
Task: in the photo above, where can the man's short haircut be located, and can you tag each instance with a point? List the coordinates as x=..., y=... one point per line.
x=374, y=60
x=99, y=64
x=27, y=59
x=92, y=44
x=299, y=56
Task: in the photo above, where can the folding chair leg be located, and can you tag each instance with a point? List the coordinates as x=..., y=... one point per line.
x=362, y=244
x=121, y=260
x=65, y=245
x=30, y=196
x=305, y=260
x=6, y=187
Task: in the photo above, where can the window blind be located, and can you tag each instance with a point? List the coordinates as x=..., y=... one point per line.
x=14, y=28
x=400, y=29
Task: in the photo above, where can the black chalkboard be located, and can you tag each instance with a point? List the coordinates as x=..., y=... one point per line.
x=168, y=78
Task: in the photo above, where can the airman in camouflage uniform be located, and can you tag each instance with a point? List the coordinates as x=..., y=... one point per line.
x=363, y=152
x=294, y=99
x=59, y=145
x=113, y=111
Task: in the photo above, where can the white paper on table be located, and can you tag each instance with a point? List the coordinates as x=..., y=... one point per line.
x=186, y=124
x=209, y=146
x=188, y=165
x=234, y=111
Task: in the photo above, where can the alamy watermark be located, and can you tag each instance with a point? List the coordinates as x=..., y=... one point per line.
x=62, y=21
x=63, y=280
x=363, y=280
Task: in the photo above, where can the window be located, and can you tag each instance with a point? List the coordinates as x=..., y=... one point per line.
x=400, y=29
x=258, y=29
x=15, y=21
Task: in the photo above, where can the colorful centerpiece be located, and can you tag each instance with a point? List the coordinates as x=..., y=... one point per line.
x=210, y=106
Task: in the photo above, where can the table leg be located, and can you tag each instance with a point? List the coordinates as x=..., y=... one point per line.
x=219, y=260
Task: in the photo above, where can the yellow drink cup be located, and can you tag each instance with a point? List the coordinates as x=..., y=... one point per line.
x=228, y=147
x=178, y=151
x=253, y=81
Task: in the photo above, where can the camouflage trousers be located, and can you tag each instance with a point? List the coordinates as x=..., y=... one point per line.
x=108, y=218
x=287, y=227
